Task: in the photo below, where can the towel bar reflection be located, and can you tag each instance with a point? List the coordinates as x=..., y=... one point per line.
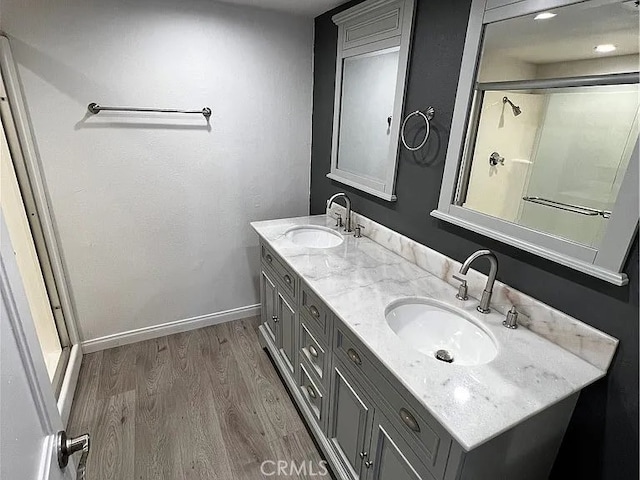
x=95, y=108
x=592, y=212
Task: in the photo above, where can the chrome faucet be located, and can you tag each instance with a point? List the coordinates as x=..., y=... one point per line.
x=347, y=221
x=488, y=289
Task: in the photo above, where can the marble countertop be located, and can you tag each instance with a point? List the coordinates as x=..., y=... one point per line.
x=359, y=278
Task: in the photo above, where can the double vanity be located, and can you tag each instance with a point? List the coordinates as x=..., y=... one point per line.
x=405, y=363
x=396, y=374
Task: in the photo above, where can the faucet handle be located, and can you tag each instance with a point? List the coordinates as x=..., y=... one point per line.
x=463, y=288
x=512, y=318
x=460, y=276
x=338, y=218
x=358, y=231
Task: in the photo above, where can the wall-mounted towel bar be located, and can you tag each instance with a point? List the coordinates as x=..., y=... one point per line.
x=568, y=207
x=95, y=108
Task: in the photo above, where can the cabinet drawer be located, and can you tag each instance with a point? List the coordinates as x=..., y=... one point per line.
x=313, y=394
x=316, y=312
x=354, y=357
x=313, y=351
x=287, y=279
x=425, y=435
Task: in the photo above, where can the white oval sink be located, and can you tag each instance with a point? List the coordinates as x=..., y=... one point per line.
x=314, y=236
x=430, y=326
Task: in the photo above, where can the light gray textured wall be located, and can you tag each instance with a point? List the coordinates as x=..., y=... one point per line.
x=153, y=210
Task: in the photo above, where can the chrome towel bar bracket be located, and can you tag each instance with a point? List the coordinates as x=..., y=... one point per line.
x=95, y=109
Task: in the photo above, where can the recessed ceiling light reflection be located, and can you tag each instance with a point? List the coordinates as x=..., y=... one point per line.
x=544, y=16
x=461, y=394
x=605, y=48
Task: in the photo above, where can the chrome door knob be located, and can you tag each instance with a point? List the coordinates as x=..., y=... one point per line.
x=68, y=446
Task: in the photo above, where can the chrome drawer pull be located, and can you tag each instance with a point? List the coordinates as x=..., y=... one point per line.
x=275, y=318
x=311, y=391
x=287, y=279
x=314, y=311
x=312, y=351
x=363, y=454
x=409, y=420
x=269, y=258
x=368, y=464
x=354, y=357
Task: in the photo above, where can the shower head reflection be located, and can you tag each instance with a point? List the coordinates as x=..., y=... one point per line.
x=516, y=109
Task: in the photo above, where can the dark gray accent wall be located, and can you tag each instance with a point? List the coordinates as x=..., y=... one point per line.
x=602, y=439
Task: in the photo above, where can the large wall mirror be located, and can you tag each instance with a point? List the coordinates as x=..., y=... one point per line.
x=544, y=147
x=371, y=66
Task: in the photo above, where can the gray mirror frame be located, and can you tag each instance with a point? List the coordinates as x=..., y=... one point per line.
x=368, y=27
x=606, y=262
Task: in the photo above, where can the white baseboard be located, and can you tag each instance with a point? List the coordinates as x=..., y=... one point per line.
x=155, y=331
x=65, y=399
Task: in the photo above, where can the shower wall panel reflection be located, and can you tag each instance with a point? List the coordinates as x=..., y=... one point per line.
x=568, y=146
x=497, y=189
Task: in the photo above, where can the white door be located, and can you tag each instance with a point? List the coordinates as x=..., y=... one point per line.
x=15, y=215
x=29, y=416
x=26, y=214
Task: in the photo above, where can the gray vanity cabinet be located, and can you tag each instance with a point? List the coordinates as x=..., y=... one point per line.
x=279, y=315
x=287, y=319
x=269, y=295
x=390, y=457
x=350, y=420
x=367, y=423
x=366, y=441
x=337, y=386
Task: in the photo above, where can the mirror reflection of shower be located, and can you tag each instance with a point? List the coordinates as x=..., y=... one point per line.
x=516, y=109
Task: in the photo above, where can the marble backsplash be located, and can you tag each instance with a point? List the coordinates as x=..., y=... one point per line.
x=582, y=340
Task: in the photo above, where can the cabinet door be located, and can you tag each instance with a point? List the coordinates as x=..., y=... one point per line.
x=287, y=332
x=268, y=295
x=350, y=416
x=390, y=457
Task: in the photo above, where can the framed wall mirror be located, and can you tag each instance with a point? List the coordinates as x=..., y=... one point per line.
x=371, y=66
x=543, y=153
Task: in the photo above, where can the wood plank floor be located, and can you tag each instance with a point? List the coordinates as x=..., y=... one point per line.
x=205, y=404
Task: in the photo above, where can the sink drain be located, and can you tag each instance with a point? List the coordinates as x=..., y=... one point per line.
x=444, y=356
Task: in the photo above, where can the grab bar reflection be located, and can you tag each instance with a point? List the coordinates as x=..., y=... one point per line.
x=592, y=212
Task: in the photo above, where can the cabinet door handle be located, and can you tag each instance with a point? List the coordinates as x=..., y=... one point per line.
x=409, y=420
x=311, y=391
x=354, y=357
x=314, y=311
x=363, y=454
x=312, y=351
x=269, y=258
x=275, y=318
x=368, y=464
x=287, y=279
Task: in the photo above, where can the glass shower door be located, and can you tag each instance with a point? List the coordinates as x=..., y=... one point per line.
x=553, y=159
x=584, y=146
